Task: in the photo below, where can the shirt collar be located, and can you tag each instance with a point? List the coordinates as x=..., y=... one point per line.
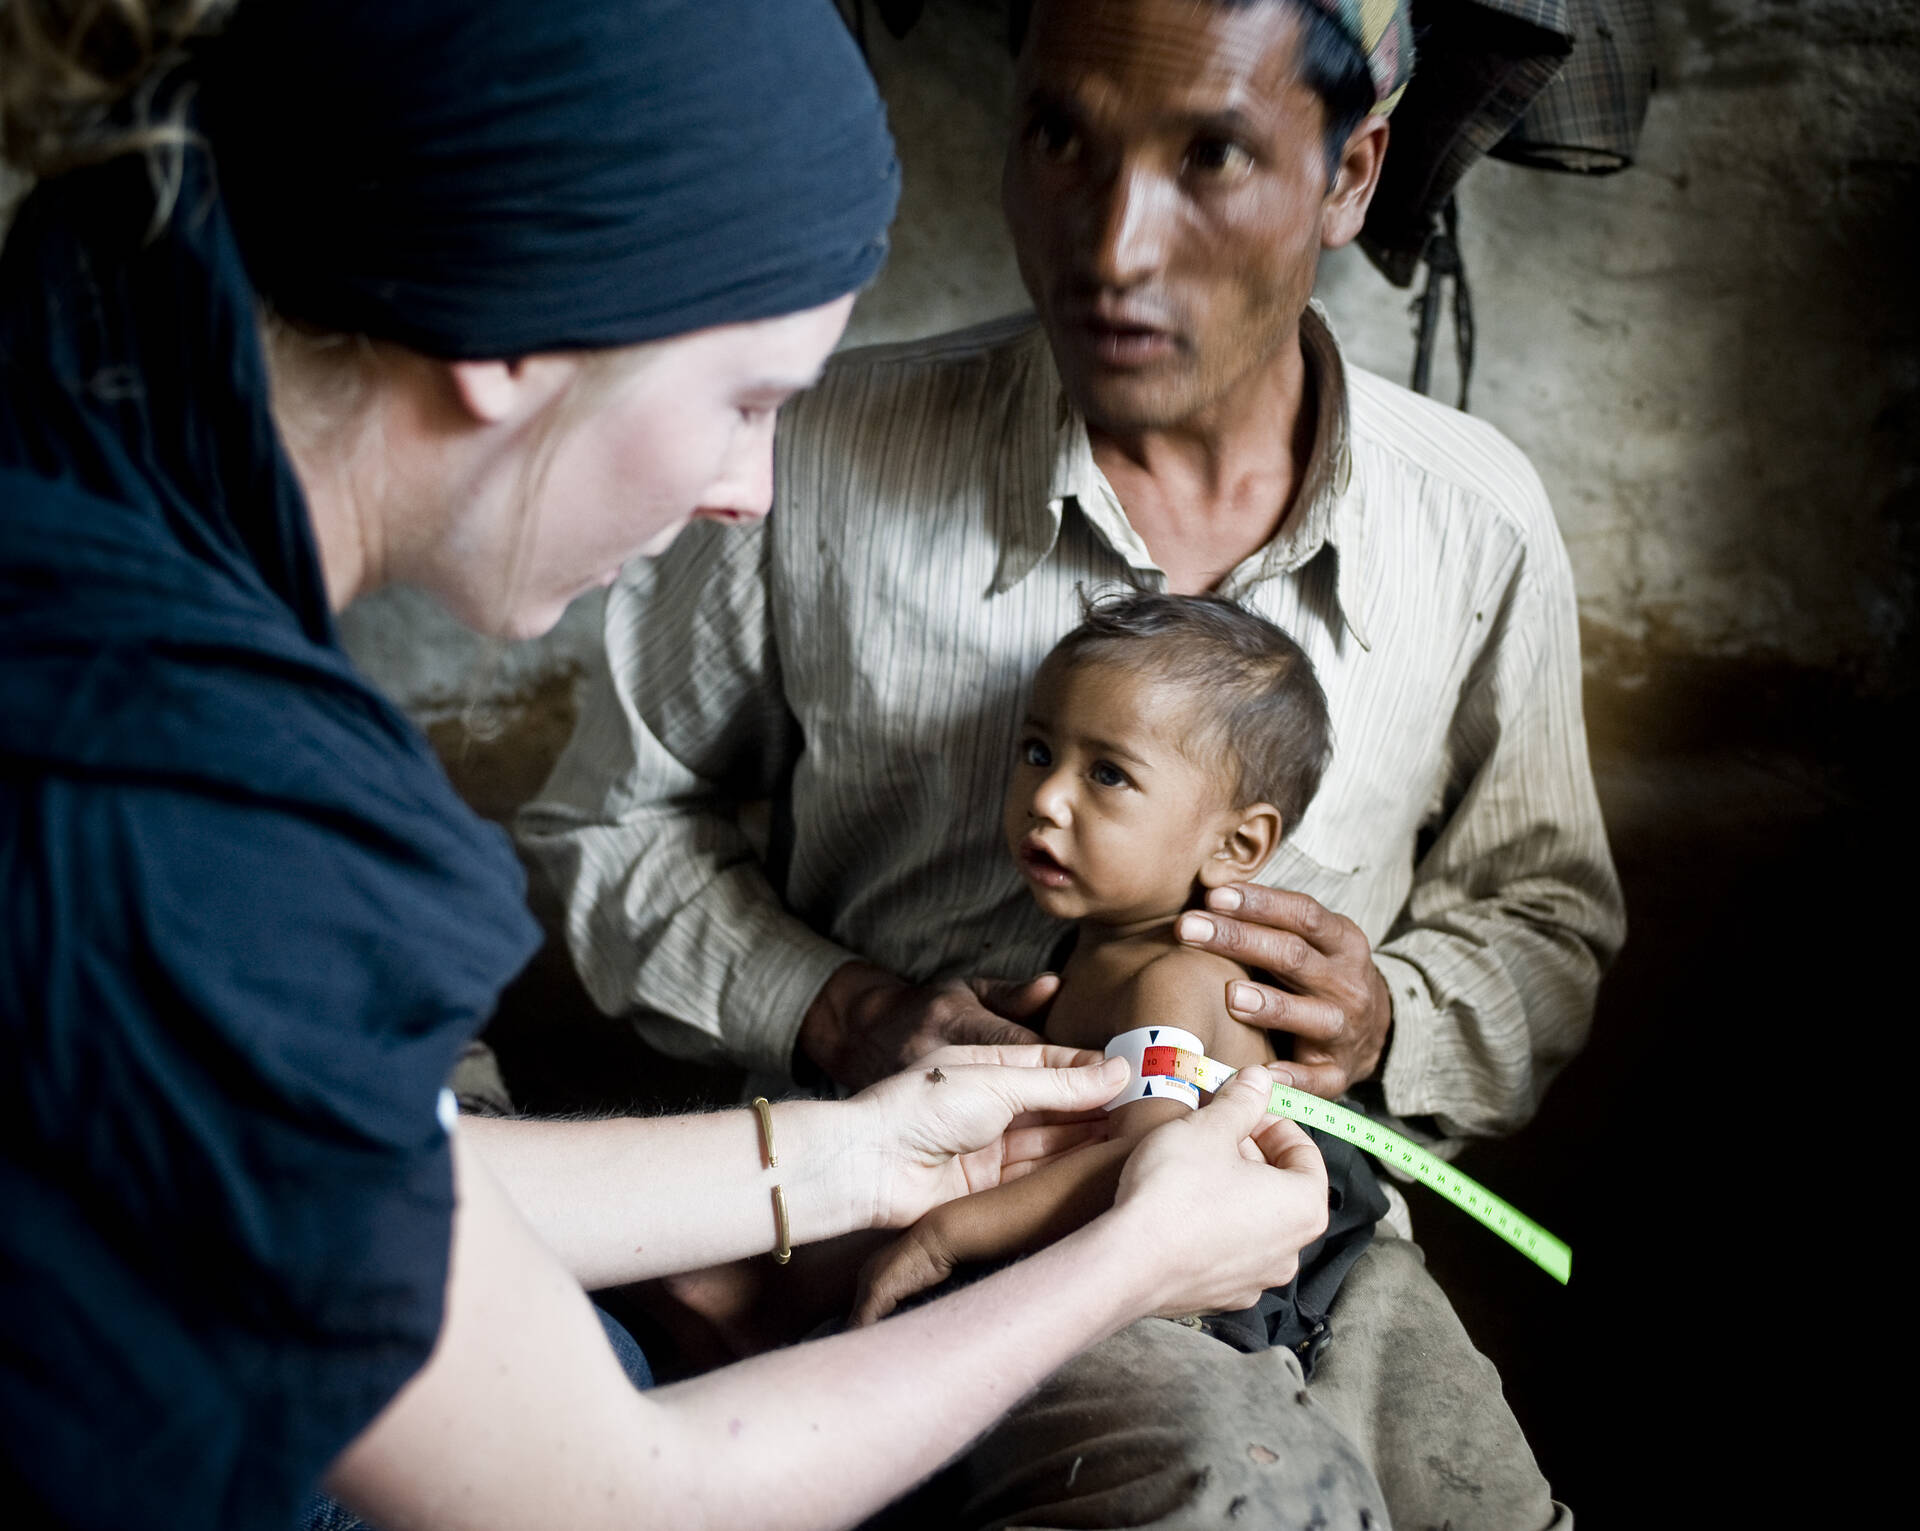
x=1051, y=462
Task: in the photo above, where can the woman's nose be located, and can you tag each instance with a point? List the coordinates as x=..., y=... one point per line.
x=744, y=491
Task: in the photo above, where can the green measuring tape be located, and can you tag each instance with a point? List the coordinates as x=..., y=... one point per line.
x=1466, y=1193
x=1187, y=1071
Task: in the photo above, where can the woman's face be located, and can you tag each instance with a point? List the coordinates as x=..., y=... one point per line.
x=683, y=432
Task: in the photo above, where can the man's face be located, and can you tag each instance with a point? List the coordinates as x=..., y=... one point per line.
x=1166, y=187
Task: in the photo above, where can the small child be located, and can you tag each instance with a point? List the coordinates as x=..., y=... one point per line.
x=1170, y=743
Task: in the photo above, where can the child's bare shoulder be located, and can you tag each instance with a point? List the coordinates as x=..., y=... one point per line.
x=1188, y=988
x=1183, y=969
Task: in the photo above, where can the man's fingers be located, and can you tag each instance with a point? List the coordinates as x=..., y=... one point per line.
x=1017, y=1000
x=1283, y=909
x=1025, y=1054
x=1284, y=953
x=984, y=1028
x=1329, y=1081
x=1260, y=1004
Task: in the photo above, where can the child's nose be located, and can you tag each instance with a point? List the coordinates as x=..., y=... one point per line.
x=1053, y=798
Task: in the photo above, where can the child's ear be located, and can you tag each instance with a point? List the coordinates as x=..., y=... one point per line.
x=1249, y=838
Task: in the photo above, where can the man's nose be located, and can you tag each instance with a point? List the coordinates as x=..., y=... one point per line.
x=1128, y=228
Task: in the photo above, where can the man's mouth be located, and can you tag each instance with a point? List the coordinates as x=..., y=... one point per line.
x=1041, y=866
x=1122, y=333
x=1125, y=345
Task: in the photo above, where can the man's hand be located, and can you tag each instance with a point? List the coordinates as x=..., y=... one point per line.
x=1334, y=1001
x=866, y=1024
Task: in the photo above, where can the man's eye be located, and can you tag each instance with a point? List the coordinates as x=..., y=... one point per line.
x=1034, y=753
x=1054, y=137
x=1219, y=157
x=1106, y=774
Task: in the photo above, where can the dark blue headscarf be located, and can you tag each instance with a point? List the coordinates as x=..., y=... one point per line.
x=484, y=180
x=247, y=924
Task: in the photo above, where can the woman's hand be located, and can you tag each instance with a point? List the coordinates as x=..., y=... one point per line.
x=968, y=1118
x=1227, y=1198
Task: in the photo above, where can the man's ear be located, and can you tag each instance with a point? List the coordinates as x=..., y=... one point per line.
x=498, y=392
x=1248, y=839
x=1345, y=209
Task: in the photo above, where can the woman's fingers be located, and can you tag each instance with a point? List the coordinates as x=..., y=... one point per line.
x=1245, y=1190
x=1285, y=1145
x=1031, y=1148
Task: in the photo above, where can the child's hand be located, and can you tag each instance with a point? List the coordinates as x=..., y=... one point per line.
x=911, y=1263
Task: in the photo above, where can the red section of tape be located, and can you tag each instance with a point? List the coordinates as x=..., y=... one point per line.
x=1158, y=1060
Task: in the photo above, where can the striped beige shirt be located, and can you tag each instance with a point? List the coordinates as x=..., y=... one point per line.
x=861, y=660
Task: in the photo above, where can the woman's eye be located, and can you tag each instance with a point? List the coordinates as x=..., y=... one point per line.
x=1034, y=753
x=1105, y=774
x=1219, y=157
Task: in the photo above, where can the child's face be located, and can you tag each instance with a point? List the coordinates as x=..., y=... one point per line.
x=1107, y=817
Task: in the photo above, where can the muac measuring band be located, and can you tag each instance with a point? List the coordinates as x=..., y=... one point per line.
x=1169, y=1064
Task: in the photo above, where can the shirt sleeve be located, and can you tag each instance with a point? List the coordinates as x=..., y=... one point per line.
x=1515, y=908
x=667, y=906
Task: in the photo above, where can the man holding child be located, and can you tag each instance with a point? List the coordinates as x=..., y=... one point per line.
x=1178, y=419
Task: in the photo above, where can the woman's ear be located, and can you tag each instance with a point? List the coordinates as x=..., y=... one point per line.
x=501, y=392
x=1246, y=842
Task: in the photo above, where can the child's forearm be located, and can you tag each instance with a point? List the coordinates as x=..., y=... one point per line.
x=1033, y=1211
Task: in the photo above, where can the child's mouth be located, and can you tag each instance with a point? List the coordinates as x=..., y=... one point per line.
x=1042, y=866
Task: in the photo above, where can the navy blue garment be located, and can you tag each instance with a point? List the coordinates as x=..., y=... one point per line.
x=247, y=923
x=1295, y=1316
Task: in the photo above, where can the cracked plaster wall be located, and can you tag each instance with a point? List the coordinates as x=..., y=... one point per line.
x=1713, y=357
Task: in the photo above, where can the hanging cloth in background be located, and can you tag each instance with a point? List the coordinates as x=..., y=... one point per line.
x=1555, y=84
x=1588, y=119
x=1552, y=84
x=1481, y=64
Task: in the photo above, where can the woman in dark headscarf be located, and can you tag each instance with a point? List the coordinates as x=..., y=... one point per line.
x=533, y=280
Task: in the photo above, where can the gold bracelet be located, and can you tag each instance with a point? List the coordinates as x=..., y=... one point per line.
x=783, y=1247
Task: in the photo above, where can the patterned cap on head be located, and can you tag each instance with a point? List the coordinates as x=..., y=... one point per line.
x=1383, y=29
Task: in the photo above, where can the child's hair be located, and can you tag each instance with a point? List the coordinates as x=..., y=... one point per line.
x=1253, y=687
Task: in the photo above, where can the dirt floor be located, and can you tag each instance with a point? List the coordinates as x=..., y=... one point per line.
x=1692, y=1156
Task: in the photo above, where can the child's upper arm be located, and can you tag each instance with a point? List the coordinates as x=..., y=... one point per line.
x=1188, y=989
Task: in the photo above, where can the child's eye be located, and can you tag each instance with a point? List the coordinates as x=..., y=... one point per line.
x=1034, y=753
x=1106, y=774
